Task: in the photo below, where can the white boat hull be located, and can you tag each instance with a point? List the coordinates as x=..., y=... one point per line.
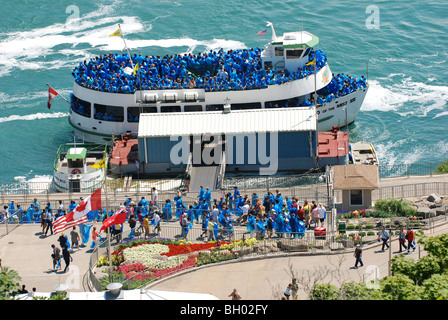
x=85, y=182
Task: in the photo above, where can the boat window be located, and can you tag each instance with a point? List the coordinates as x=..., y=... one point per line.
x=108, y=113
x=170, y=109
x=75, y=163
x=278, y=51
x=192, y=108
x=243, y=106
x=286, y=103
x=81, y=107
x=214, y=107
x=134, y=112
x=293, y=54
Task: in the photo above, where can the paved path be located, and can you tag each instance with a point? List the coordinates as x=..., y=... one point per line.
x=266, y=279
x=26, y=250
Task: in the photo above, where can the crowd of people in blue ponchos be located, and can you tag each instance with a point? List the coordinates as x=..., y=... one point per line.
x=271, y=215
x=213, y=71
x=266, y=216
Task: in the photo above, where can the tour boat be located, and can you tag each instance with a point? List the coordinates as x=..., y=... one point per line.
x=362, y=152
x=111, y=91
x=80, y=167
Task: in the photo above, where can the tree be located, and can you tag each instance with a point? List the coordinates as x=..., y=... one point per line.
x=9, y=283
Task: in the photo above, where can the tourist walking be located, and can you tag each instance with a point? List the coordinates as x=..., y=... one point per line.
x=384, y=235
x=358, y=256
x=402, y=239
x=67, y=257
x=410, y=237
x=56, y=256
x=75, y=238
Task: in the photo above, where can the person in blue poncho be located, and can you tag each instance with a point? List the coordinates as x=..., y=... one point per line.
x=280, y=225
x=260, y=227
x=204, y=207
x=201, y=193
x=251, y=221
x=179, y=204
x=167, y=210
x=208, y=197
x=236, y=193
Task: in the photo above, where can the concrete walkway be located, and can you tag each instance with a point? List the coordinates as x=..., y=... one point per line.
x=267, y=278
x=26, y=250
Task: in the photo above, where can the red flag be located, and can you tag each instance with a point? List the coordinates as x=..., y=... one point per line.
x=79, y=214
x=117, y=218
x=51, y=94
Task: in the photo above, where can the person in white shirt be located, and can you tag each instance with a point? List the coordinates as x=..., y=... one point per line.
x=155, y=195
x=322, y=214
x=215, y=214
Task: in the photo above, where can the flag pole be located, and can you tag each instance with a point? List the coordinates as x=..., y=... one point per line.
x=125, y=46
x=108, y=231
x=58, y=94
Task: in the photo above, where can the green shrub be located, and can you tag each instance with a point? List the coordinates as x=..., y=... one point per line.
x=370, y=233
x=324, y=291
x=395, y=207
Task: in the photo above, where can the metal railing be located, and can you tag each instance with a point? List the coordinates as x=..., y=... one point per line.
x=407, y=170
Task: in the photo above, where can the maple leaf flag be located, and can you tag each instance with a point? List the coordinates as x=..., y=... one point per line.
x=79, y=214
x=117, y=218
x=51, y=94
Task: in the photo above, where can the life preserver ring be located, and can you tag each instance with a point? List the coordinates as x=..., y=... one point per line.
x=76, y=171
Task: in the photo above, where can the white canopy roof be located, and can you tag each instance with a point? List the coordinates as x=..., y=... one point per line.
x=234, y=122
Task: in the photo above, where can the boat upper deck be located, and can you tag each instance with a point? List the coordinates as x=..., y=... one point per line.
x=220, y=70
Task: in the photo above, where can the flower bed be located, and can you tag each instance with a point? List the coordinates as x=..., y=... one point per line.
x=142, y=262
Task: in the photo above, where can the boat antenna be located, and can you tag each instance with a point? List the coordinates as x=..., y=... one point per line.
x=367, y=69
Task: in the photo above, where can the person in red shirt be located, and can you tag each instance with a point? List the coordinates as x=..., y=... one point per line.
x=410, y=238
x=301, y=214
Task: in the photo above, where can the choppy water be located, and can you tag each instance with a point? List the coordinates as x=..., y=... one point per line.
x=404, y=114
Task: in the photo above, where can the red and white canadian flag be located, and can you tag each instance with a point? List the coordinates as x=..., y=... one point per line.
x=79, y=214
x=51, y=94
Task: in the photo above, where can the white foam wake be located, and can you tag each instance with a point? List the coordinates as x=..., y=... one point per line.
x=35, y=116
x=405, y=97
x=34, y=49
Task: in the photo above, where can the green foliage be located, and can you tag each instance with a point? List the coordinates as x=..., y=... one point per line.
x=9, y=280
x=395, y=207
x=437, y=246
x=442, y=168
x=403, y=265
x=325, y=291
x=359, y=291
x=399, y=287
x=436, y=287
x=424, y=279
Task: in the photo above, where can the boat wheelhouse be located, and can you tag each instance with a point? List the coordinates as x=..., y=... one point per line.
x=109, y=96
x=80, y=167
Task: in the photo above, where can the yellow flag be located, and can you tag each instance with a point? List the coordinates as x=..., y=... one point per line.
x=135, y=69
x=313, y=62
x=116, y=33
x=99, y=164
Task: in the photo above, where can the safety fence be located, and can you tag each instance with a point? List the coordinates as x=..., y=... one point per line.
x=410, y=169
